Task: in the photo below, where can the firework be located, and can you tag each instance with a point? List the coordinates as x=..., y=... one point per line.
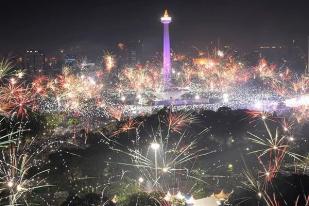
x=109, y=62
x=180, y=120
x=162, y=160
x=274, y=149
x=140, y=80
x=5, y=68
x=20, y=172
x=17, y=100
x=131, y=124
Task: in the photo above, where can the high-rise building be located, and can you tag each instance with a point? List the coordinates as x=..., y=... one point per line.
x=121, y=55
x=70, y=60
x=289, y=55
x=166, y=20
x=135, y=52
x=34, y=61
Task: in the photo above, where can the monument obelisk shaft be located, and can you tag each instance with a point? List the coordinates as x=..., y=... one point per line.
x=166, y=20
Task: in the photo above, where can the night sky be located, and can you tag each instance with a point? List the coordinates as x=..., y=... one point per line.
x=95, y=25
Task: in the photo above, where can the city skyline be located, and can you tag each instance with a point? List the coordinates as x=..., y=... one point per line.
x=99, y=25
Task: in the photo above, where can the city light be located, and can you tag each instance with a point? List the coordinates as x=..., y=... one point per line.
x=165, y=169
x=140, y=180
x=155, y=146
x=10, y=183
x=102, y=112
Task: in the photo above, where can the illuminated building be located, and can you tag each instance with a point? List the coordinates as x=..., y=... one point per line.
x=34, y=61
x=70, y=60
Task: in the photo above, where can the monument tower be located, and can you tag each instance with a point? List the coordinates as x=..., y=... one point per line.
x=166, y=20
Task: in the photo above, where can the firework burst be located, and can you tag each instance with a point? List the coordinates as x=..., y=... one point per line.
x=6, y=67
x=20, y=172
x=161, y=160
x=274, y=149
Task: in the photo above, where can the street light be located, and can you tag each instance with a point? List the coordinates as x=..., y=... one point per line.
x=140, y=180
x=155, y=146
x=165, y=169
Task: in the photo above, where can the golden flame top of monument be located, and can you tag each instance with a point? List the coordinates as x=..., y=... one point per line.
x=166, y=18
